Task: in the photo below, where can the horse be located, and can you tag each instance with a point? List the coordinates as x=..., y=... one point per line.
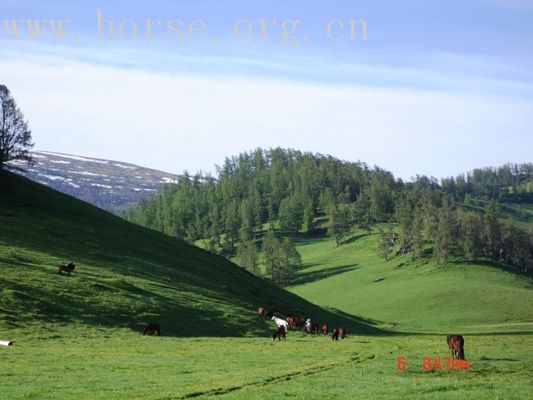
x=152, y=329
x=456, y=344
x=281, y=323
x=315, y=328
x=308, y=325
x=291, y=321
x=325, y=329
x=298, y=322
x=67, y=268
x=335, y=334
x=342, y=333
x=279, y=333
x=261, y=312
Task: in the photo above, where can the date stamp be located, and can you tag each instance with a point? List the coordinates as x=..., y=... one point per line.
x=434, y=363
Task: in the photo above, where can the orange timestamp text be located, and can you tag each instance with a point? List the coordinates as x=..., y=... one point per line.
x=435, y=363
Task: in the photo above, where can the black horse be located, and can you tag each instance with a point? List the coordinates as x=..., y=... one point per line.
x=279, y=333
x=151, y=329
x=67, y=268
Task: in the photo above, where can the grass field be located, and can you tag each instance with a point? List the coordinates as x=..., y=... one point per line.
x=76, y=337
x=88, y=363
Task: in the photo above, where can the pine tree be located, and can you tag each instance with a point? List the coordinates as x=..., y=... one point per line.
x=337, y=224
x=445, y=231
x=271, y=254
x=308, y=217
x=491, y=232
x=247, y=255
x=470, y=233
x=385, y=244
x=290, y=260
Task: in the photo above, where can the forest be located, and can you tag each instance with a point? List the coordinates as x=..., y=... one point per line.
x=259, y=199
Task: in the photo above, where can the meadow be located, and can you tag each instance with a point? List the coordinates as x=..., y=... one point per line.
x=413, y=296
x=79, y=362
x=77, y=336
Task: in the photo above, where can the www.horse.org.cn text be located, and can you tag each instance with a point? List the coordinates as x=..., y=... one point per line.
x=287, y=32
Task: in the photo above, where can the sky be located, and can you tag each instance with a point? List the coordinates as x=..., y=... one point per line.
x=427, y=87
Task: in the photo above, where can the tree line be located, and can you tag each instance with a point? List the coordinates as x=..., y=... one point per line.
x=434, y=222
x=287, y=191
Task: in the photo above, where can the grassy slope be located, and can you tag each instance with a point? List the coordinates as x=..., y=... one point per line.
x=418, y=297
x=126, y=275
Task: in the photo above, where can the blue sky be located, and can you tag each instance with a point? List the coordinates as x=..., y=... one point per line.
x=437, y=88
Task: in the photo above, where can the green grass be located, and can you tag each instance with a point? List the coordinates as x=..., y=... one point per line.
x=413, y=296
x=77, y=363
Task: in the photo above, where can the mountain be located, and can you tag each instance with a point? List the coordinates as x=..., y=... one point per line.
x=125, y=275
x=110, y=185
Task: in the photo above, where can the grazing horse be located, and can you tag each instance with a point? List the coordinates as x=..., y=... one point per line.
x=298, y=322
x=456, y=344
x=325, y=329
x=67, y=268
x=335, y=334
x=279, y=333
x=291, y=321
x=342, y=333
x=281, y=323
x=151, y=329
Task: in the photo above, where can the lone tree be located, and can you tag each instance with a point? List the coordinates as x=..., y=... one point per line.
x=15, y=136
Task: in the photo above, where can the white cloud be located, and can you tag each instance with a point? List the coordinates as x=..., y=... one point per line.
x=185, y=121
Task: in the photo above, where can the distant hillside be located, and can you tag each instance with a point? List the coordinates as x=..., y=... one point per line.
x=413, y=296
x=125, y=275
x=110, y=185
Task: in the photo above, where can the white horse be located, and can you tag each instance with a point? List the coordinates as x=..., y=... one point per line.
x=281, y=322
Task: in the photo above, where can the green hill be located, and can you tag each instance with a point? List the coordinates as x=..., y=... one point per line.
x=413, y=296
x=125, y=276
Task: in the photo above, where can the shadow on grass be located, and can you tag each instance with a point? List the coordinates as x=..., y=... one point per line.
x=354, y=238
x=502, y=267
x=313, y=276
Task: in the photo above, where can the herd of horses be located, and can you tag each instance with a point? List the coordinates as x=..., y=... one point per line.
x=455, y=342
x=298, y=323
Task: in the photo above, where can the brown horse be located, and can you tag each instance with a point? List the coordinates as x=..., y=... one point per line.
x=456, y=344
x=335, y=334
x=279, y=333
x=67, y=268
x=151, y=329
x=261, y=312
x=342, y=333
x=325, y=329
x=299, y=323
x=292, y=321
